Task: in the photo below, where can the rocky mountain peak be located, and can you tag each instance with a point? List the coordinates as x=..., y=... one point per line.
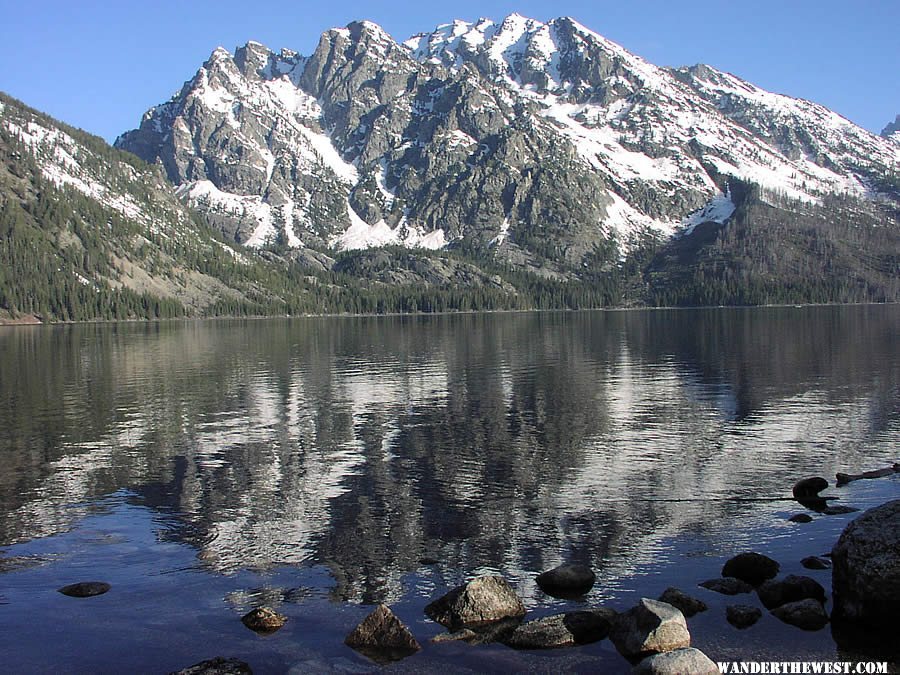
x=892, y=131
x=533, y=141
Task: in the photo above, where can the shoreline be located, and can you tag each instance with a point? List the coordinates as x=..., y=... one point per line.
x=32, y=321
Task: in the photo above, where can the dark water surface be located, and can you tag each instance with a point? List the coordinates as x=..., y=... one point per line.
x=207, y=468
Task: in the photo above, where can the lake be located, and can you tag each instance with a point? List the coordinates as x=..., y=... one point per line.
x=315, y=465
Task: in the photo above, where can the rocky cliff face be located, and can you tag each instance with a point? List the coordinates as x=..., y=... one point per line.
x=535, y=142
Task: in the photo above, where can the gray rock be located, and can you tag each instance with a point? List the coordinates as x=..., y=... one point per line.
x=85, y=589
x=866, y=575
x=742, y=616
x=801, y=518
x=677, y=662
x=382, y=637
x=754, y=568
x=263, y=620
x=217, y=666
x=682, y=601
x=727, y=586
x=648, y=628
x=816, y=562
x=774, y=593
x=567, y=579
x=482, y=600
x=807, y=614
x=563, y=630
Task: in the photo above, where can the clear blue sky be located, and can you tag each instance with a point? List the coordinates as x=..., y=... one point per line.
x=100, y=65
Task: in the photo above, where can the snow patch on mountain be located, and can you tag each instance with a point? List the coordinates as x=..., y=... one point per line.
x=361, y=235
x=719, y=209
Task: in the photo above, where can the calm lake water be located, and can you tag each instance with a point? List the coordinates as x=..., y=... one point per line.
x=206, y=468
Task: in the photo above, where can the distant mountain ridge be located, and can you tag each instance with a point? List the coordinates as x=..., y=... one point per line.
x=534, y=142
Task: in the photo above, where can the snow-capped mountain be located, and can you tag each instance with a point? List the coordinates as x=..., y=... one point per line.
x=537, y=141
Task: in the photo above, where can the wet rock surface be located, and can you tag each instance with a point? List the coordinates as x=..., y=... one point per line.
x=774, y=593
x=217, y=666
x=263, y=620
x=727, y=586
x=677, y=662
x=567, y=580
x=382, y=637
x=801, y=518
x=482, y=600
x=687, y=605
x=563, y=630
x=742, y=616
x=753, y=568
x=649, y=627
x=816, y=562
x=807, y=614
x=85, y=589
x=866, y=574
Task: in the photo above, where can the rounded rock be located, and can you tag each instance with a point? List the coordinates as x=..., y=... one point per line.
x=866, y=559
x=263, y=620
x=742, y=616
x=801, y=518
x=677, y=662
x=775, y=593
x=727, y=586
x=567, y=579
x=816, y=562
x=809, y=487
x=482, y=600
x=85, y=589
x=807, y=614
x=754, y=568
x=682, y=601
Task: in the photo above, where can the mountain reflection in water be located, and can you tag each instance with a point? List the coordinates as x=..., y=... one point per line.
x=506, y=442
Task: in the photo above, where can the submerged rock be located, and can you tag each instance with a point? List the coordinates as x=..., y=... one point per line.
x=866, y=576
x=482, y=600
x=382, y=637
x=807, y=614
x=754, y=568
x=461, y=635
x=217, y=666
x=682, y=601
x=85, y=589
x=801, y=518
x=816, y=562
x=742, y=616
x=649, y=627
x=837, y=510
x=563, y=630
x=727, y=586
x=263, y=620
x=775, y=593
x=567, y=580
x=677, y=662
